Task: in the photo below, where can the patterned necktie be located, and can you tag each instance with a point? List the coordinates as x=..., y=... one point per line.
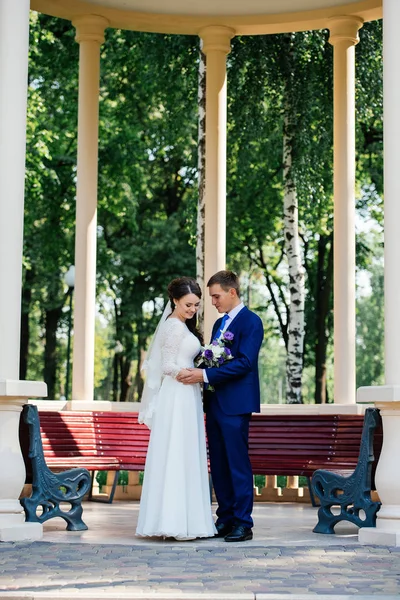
x=221, y=327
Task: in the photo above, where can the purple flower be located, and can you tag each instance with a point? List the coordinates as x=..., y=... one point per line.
x=208, y=354
x=228, y=336
x=227, y=352
x=215, y=343
x=221, y=360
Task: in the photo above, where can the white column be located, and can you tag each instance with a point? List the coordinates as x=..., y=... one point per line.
x=14, y=41
x=391, y=137
x=90, y=36
x=14, y=32
x=387, y=397
x=216, y=46
x=343, y=37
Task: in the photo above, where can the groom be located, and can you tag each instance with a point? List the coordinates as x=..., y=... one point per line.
x=229, y=408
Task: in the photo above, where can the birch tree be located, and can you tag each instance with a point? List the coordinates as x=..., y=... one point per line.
x=296, y=271
x=292, y=96
x=294, y=357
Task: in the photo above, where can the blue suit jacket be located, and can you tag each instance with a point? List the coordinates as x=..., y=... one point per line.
x=236, y=382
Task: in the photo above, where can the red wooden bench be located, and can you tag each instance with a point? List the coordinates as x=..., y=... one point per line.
x=302, y=444
x=97, y=441
x=78, y=442
x=278, y=444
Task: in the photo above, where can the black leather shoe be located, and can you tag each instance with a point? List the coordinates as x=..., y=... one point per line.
x=239, y=533
x=223, y=529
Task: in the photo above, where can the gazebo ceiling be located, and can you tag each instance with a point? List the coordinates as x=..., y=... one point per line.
x=189, y=16
x=221, y=7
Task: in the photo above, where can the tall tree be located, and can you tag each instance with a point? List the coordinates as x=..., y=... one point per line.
x=291, y=104
x=147, y=181
x=296, y=270
x=50, y=182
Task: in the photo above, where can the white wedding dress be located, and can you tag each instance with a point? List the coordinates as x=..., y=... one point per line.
x=175, y=499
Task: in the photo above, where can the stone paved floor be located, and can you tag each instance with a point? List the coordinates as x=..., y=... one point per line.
x=285, y=559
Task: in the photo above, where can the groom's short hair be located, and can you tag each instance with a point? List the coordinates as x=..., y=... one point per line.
x=227, y=280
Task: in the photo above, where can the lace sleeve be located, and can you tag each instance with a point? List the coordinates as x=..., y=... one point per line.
x=173, y=334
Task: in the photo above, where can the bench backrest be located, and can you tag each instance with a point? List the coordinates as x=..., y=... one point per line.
x=301, y=444
x=93, y=439
x=278, y=444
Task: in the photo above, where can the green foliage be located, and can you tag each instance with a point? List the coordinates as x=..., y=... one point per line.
x=272, y=78
x=51, y=157
x=101, y=478
x=272, y=366
x=147, y=183
x=147, y=193
x=147, y=187
x=259, y=481
x=370, y=318
x=49, y=189
x=369, y=106
x=104, y=344
x=369, y=143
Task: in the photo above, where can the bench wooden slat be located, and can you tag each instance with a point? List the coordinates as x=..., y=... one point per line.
x=278, y=444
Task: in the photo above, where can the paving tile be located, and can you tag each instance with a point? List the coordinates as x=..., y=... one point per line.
x=290, y=567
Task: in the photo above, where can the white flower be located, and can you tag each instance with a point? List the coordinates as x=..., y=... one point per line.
x=218, y=351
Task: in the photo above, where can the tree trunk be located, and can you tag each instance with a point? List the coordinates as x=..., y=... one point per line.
x=115, y=384
x=294, y=360
x=50, y=351
x=126, y=378
x=24, y=340
x=137, y=379
x=322, y=308
x=201, y=167
x=126, y=333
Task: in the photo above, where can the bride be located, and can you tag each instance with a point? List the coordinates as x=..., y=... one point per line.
x=175, y=499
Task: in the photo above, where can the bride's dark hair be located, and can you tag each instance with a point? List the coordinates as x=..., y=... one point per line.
x=182, y=286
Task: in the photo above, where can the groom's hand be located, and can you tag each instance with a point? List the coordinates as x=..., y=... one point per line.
x=190, y=376
x=181, y=374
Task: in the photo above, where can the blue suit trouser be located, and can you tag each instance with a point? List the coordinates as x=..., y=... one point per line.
x=231, y=471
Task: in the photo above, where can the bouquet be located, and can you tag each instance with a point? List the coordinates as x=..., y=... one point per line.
x=216, y=354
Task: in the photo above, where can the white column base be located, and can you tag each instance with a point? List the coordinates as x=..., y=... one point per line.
x=378, y=394
x=13, y=395
x=24, y=532
x=387, y=531
x=13, y=527
x=379, y=537
x=11, y=389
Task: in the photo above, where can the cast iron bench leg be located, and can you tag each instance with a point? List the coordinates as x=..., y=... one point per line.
x=50, y=490
x=353, y=493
